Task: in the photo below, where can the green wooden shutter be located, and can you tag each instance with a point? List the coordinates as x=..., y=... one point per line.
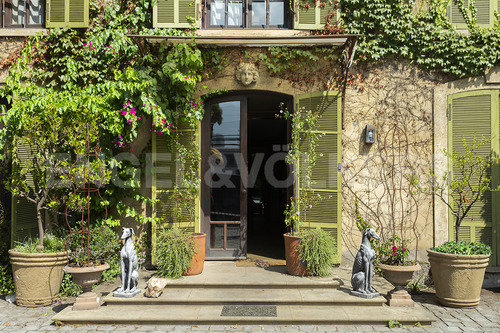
x=473, y=114
x=23, y=218
x=177, y=14
x=167, y=173
x=326, y=213
x=314, y=17
x=485, y=13
x=67, y=13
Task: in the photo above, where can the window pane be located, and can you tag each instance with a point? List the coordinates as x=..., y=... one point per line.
x=18, y=11
x=35, y=12
x=233, y=236
x=258, y=12
x=235, y=12
x=276, y=12
x=217, y=12
x=225, y=180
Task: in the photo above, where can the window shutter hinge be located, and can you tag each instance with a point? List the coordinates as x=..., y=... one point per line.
x=339, y=167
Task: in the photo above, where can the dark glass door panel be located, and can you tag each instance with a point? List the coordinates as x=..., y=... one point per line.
x=224, y=195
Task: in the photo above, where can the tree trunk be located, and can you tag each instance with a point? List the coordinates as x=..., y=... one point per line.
x=457, y=228
x=39, y=247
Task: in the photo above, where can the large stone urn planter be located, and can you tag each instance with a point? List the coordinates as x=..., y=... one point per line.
x=294, y=266
x=37, y=277
x=198, y=259
x=86, y=277
x=458, y=278
x=399, y=276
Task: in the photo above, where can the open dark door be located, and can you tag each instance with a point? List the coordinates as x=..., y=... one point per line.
x=224, y=178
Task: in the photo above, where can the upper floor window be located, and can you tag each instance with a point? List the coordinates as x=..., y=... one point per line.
x=263, y=14
x=240, y=14
x=23, y=13
x=48, y=13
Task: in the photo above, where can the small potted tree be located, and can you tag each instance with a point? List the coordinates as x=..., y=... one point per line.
x=33, y=144
x=458, y=267
x=308, y=252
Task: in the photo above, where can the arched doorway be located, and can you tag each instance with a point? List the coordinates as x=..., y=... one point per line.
x=246, y=183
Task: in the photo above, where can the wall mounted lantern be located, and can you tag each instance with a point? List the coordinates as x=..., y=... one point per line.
x=370, y=134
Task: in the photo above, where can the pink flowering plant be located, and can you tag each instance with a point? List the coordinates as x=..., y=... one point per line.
x=394, y=252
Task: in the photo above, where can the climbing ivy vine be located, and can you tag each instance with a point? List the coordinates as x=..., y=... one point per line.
x=425, y=36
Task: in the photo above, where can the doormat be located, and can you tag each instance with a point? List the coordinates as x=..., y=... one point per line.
x=249, y=311
x=260, y=262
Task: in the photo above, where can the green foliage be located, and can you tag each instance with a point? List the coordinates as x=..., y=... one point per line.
x=51, y=243
x=416, y=287
x=464, y=248
x=394, y=324
x=302, y=151
x=174, y=250
x=468, y=183
x=93, y=244
x=68, y=287
x=6, y=280
x=426, y=37
x=317, y=250
x=394, y=252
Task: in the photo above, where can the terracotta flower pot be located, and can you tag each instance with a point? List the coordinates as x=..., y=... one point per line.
x=198, y=259
x=458, y=278
x=86, y=277
x=37, y=277
x=399, y=276
x=294, y=266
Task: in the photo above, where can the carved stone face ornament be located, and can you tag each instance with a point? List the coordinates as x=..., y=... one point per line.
x=246, y=73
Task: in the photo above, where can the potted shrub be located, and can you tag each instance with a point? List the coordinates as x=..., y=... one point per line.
x=308, y=252
x=174, y=250
x=458, y=267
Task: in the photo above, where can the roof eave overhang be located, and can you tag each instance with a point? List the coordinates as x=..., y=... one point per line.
x=253, y=41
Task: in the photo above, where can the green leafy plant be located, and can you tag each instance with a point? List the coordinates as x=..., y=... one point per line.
x=317, y=249
x=174, y=250
x=68, y=287
x=394, y=324
x=465, y=248
x=394, y=252
x=51, y=243
x=93, y=245
x=416, y=287
x=6, y=280
x=302, y=151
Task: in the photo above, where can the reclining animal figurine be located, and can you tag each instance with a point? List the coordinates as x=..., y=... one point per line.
x=129, y=266
x=362, y=270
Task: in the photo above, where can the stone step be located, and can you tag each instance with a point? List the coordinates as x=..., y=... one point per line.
x=246, y=315
x=227, y=275
x=244, y=295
